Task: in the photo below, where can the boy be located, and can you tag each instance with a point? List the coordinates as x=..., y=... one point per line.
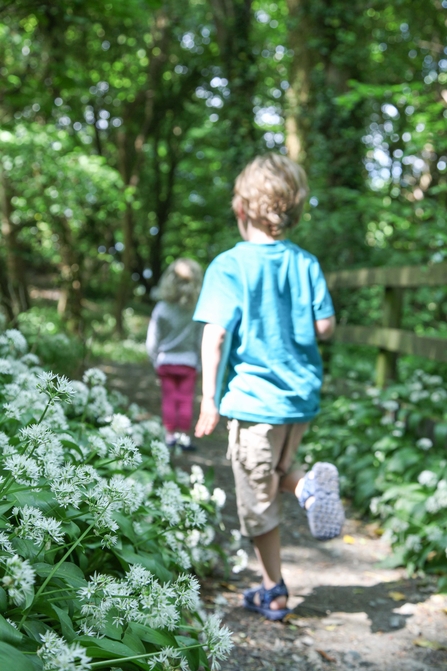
x=264, y=302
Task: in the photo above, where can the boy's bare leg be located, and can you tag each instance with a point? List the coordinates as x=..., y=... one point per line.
x=267, y=548
x=293, y=482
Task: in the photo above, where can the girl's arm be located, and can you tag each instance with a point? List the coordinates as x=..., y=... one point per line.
x=212, y=351
x=153, y=338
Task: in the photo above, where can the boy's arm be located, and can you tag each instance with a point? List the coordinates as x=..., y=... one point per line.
x=212, y=350
x=324, y=328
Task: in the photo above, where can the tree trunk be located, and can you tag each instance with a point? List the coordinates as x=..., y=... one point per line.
x=70, y=302
x=131, y=155
x=322, y=134
x=233, y=20
x=14, y=285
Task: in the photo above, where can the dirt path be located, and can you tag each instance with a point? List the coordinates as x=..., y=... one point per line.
x=348, y=612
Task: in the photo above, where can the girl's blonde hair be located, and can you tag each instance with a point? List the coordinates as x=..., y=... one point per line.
x=271, y=190
x=180, y=283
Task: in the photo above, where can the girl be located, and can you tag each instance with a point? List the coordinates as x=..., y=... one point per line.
x=173, y=344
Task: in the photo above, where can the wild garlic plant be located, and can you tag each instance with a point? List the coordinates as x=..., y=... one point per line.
x=97, y=531
x=390, y=448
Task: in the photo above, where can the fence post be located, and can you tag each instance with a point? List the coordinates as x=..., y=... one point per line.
x=392, y=314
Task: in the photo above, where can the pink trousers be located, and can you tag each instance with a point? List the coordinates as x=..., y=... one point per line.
x=177, y=396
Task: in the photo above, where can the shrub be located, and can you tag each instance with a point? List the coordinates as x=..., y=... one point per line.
x=97, y=531
x=387, y=467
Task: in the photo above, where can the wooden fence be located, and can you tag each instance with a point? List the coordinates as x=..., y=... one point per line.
x=389, y=338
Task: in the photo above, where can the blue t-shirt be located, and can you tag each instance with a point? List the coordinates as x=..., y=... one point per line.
x=267, y=296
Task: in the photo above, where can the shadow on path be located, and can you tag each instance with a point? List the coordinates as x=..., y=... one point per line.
x=379, y=602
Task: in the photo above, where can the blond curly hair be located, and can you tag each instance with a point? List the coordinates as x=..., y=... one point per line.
x=180, y=283
x=271, y=190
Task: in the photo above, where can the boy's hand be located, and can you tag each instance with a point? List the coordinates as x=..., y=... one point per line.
x=209, y=417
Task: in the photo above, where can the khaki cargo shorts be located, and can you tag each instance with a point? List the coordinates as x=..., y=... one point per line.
x=261, y=454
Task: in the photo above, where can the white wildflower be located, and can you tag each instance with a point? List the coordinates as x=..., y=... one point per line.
x=187, y=590
x=35, y=526
x=94, y=377
x=386, y=419
x=24, y=470
x=120, y=424
x=236, y=538
x=239, y=561
x=12, y=343
x=427, y=478
x=183, y=559
x=193, y=538
x=432, y=504
x=219, y=497
x=30, y=360
x=197, y=475
x=182, y=476
x=79, y=399
x=424, y=443
x=171, y=502
x=5, y=543
x=217, y=641
x=153, y=428
x=195, y=516
x=434, y=534
x=98, y=408
x=158, y=609
x=162, y=457
x=399, y=526
x=434, y=380
x=12, y=411
x=58, y=655
x=98, y=445
x=438, y=396
x=391, y=406
x=126, y=451
x=200, y=493
x=18, y=579
x=207, y=535
x=5, y=367
x=413, y=543
x=5, y=447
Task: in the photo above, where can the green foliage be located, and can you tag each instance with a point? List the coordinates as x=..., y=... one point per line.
x=96, y=530
x=391, y=457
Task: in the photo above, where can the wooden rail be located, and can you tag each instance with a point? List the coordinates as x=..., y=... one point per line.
x=390, y=339
x=405, y=277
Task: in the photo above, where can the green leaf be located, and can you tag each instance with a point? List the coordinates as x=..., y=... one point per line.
x=126, y=526
x=3, y=600
x=104, y=648
x=13, y=659
x=69, y=572
x=34, y=629
x=66, y=624
x=159, y=638
x=43, y=500
x=29, y=598
x=134, y=642
x=440, y=435
x=5, y=507
x=145, y=560
x=193, y=656
x=72, y=446
x=8, y=633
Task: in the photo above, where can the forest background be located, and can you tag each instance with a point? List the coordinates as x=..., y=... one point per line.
x=123, y=126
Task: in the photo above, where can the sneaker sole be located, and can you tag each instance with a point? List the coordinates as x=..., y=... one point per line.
x=326, y=516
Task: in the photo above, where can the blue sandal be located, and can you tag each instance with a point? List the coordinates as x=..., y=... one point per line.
x=325, y=515
x=266, y=596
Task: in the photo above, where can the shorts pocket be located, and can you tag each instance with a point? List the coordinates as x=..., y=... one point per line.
x=255, y=451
